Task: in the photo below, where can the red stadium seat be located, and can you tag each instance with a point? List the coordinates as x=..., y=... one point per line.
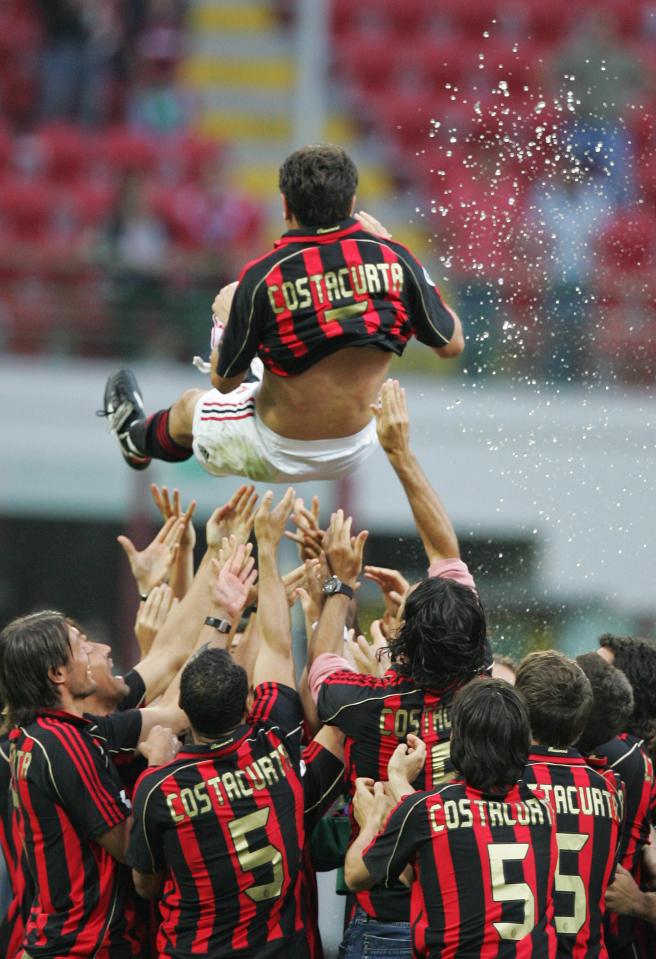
x=126, y=151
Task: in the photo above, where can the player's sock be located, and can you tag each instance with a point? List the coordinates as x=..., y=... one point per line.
x=152, y=438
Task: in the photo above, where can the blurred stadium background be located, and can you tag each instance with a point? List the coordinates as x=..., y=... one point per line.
x=508, y=142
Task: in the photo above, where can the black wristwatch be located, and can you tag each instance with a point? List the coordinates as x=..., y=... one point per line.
x=220, y=625
x=334, y=585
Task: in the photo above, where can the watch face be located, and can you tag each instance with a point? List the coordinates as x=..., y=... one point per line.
x=331, y=585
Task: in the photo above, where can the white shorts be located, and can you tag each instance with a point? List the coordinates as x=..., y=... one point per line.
x=231, y=440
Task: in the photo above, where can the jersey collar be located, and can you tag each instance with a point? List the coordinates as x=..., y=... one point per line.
x=568, y=757
x=320, y=234
x=222, y=747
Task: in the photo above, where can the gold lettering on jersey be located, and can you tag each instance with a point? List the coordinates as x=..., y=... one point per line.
x=589, y=800
x=304, y=295
x=465, y=813
x=335, y=286
x=275, y=306
x=230, y=786
x=19, y=762
x=289, y=294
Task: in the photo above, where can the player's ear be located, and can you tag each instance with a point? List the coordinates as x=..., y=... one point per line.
x=57, y=675
x=249, y=702
x=285, y=208
x=353, y=202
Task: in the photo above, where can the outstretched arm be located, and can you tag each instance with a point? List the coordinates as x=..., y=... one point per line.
x=431, y=518
x=274, y=659
x=344, y=554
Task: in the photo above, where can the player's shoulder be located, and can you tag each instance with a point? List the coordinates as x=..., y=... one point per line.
x=155, y=776
x=55, y=733
x=256, y=269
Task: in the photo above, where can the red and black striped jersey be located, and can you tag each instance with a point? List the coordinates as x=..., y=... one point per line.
x=484, y=868
x=376, y=714
x=588, y=809
x=627, y=757
x=67, y=794
x=12, y=925
x=323, y=783
x=224, y=823
x=320, y=290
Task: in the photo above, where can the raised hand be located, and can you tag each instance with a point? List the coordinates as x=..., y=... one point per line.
x=152, y=614
x=392, y=418
x=233, y=575
x=233, y=519
x=171, y=507
x=270, y=522
x=372, y=225
x=151, y=566
x=366, y=656
x=393, y=586
x=343, y=551
x=308, y=536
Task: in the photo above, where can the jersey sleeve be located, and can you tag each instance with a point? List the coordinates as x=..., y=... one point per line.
x=145, y=851
x=395, y=846
x=432, y=322
x=280, y=707
x=137, y=693
x=83, y=783
x=118, y=733
x=323, y=782
x=242, y=333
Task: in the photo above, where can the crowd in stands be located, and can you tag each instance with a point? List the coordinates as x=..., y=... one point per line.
x=520, y=815
x=117, y=219
x=528, y=132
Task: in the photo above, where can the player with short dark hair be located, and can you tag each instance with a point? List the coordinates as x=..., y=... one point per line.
x=627, y=757
x=588, y=805
x=637, y=660
x=482, y=849
x=318, y=184
x=324, y=312
x=220, y=830
x=612, y=702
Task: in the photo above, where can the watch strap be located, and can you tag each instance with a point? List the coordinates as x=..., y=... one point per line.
x=221, y=625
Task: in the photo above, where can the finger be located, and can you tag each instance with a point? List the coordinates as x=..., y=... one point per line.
x=265, y=505
x=175, y=508
x=315, y=508
x=358, y=544
x=295, y=537
x=157, y=497
x=252, y=579
x=128, y=546
x=166, y=529
x=248, y=509
x=191, y=509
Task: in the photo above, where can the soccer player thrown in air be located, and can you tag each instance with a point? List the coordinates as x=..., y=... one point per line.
x=72, y=810
x=587, y=804
x=219, y=831
x=310, y=330
x=606, y=743
x=480, y=853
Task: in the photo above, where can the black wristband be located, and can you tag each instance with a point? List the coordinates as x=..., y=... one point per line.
x=221, y=625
